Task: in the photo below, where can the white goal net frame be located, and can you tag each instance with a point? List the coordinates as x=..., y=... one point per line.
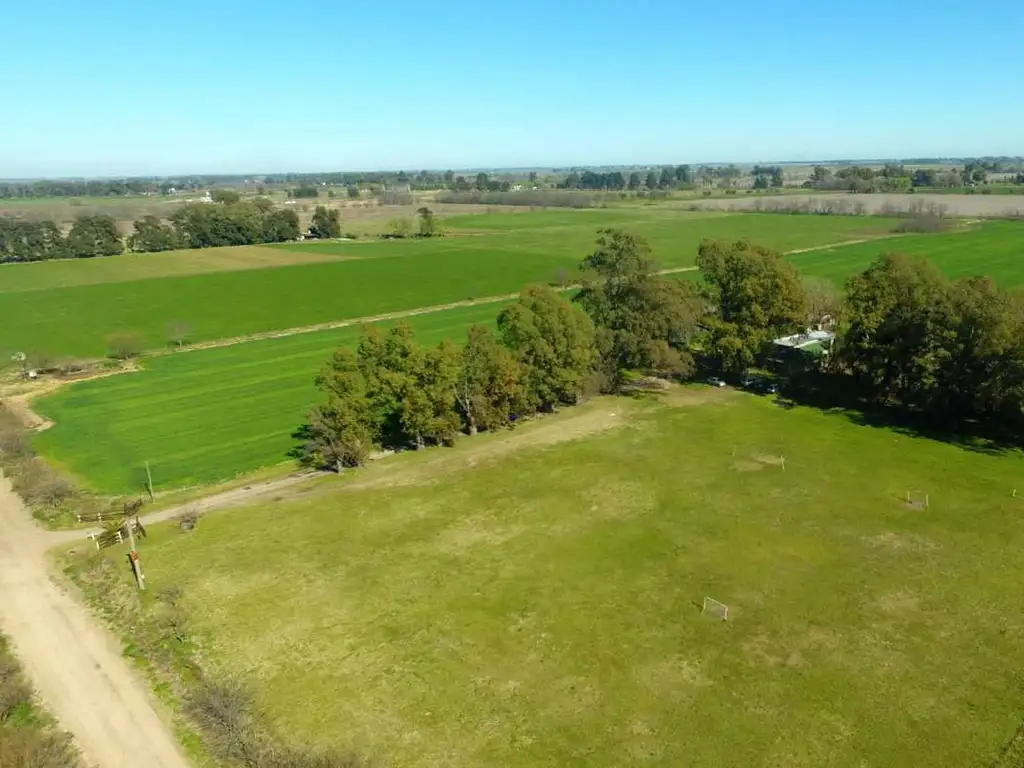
x=715, y=608
x=917, y=499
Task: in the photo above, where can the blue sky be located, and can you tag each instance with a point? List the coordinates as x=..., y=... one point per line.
x=138, y=87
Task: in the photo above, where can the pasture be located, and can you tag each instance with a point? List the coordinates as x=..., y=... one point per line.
x=206, y=415
x=533, y=597
x=497, y=255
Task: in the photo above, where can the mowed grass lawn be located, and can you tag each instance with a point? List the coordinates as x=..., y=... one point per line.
x=370, y=278
x=521, y=601
x=207, y=415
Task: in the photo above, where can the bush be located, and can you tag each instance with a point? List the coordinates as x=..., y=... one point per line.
x=15, y=693
x=30, y=748
x=39, y=485
x=924, y=222
x=224, y=714
x=124, y=346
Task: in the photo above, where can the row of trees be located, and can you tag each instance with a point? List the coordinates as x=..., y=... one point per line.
x=391, y=392
x=949, y=350
x=550, y=351
x=196, y=225
x=89, y=236
x=667, y=178
x=201, y=225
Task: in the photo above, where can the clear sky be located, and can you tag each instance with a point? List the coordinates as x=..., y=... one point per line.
x=139, y=87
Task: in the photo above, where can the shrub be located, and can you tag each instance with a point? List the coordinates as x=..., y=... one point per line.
x=224, y=714
x=124, y=345
x=39, y=485
x=30, y=748
x=15, y=693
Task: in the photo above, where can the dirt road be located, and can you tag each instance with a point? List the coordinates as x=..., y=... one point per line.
x=75, y=665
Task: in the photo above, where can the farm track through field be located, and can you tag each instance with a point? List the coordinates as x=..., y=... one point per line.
x=400, y=314
x=76, y=665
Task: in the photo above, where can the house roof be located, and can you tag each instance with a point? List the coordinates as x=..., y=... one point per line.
x=806, y=340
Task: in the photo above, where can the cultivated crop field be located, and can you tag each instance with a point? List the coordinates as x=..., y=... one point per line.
x=995, y=250
x=533, y=597
x=204, y=416
x=58, y=316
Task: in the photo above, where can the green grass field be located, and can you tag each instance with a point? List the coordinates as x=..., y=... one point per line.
x=130, y=267
x=518, y=601
x=995, y=249
x=386, y=276
x=208, y=415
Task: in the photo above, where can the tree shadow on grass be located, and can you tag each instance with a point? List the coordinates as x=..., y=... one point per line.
x=834, y=393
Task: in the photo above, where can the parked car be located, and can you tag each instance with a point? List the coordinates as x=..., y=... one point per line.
x=714, y=381
x=750, y=382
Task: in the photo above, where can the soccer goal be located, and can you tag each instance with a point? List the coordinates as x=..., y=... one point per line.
x=917, y=500
x=716, y=609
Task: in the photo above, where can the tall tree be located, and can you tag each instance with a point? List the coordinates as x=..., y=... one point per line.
x=428, y=410
x=428, y=222
x=897, y=329
x=94, y=236
x=152, y=235
x=684, y=174
x=635, y=181
x=652, y=180
x=391, y=364
x=326, y=223
x=758, y=296
x=342, y=431
x=280, y=227
x=488, y=388
x=554, y=342
x=645, y=321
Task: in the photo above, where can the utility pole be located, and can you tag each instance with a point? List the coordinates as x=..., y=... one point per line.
x=133, y=558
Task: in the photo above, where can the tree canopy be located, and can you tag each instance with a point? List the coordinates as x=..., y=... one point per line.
x=754, y=296
x=326, y=223
x=644, y=321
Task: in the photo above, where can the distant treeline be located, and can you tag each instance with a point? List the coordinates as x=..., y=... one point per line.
x=93, y=188
x=898, y=178
x=196, y=225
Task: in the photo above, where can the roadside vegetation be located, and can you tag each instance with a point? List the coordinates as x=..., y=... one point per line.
x=28, y=736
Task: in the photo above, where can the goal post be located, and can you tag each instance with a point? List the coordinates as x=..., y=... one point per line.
x=715, y=608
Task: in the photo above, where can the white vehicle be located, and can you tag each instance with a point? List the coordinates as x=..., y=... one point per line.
x=714, y=381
